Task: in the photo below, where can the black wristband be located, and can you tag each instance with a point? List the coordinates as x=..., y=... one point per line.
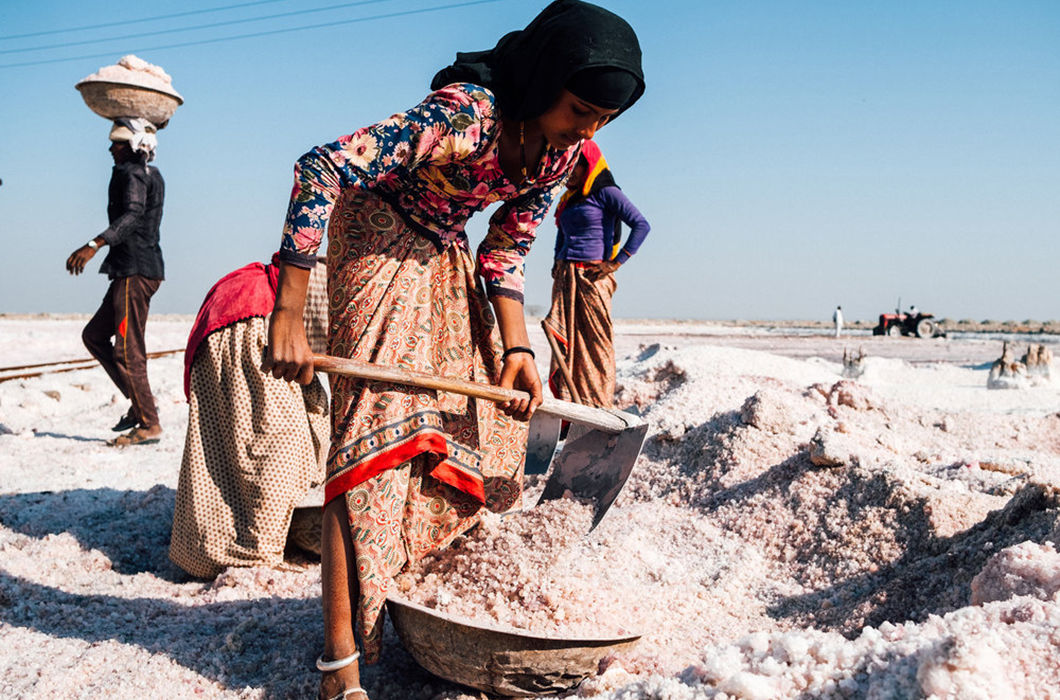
x=518, y=348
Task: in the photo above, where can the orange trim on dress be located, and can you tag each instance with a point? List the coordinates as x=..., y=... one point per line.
x=428, y=442
x=459, y=479
x=432, y=443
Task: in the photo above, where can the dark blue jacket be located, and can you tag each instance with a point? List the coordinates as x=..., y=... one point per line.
x=134, y=209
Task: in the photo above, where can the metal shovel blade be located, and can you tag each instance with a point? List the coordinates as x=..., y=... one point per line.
x=595, y=464
x=541, y=441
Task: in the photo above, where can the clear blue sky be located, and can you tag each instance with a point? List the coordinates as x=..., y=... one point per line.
x=790, y=156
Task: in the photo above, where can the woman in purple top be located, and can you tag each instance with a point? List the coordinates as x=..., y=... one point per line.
x=588, y=251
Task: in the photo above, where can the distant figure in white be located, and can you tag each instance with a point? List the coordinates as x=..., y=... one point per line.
x=837, y=319
x=913, y=311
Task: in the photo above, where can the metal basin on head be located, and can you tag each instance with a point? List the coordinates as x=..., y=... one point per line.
x=497, y=661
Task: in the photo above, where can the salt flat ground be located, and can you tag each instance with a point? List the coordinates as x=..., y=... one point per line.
x=786, y=533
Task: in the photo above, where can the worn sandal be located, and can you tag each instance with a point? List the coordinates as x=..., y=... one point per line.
x=134, y=437
x=348, y=692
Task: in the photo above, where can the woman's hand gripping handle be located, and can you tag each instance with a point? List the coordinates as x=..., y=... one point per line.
x=518, y=370
x=287, y=356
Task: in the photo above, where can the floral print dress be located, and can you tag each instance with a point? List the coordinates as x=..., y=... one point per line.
x=436, y=164
x=416, y=466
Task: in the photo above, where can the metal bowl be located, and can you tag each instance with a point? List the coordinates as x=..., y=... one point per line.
x=494, y=660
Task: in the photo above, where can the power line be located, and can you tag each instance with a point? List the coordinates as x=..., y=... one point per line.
x=191, y=28
x=120, y=23
x=254, y=34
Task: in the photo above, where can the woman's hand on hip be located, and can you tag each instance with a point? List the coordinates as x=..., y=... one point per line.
x=287, y=356
x=601, y=269
x=520, y=372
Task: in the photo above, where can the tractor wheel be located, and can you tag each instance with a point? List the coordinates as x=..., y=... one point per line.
x=895, y=330
x=925, y=328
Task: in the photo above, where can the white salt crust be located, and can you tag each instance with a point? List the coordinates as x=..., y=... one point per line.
x=133, y=70
x=786, y=533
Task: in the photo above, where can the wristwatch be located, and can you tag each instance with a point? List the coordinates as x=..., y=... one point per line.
x=92, y=244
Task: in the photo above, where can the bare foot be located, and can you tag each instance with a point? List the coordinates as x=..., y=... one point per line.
x=341, y=684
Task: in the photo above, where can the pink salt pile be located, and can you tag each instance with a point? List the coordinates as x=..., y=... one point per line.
x=790, y=533
x=1000, y=650
x=887, y=514
x=522, y=571
x=786, y=533
x=1027, y=569
x=133, y=70
x=652, y=569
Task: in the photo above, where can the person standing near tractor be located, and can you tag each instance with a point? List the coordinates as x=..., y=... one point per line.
x=135, y=268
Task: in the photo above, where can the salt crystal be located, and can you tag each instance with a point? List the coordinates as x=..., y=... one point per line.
x=720, y=664
x=794, y=646
x=757, y=643
x=749, y=686
x=848, y=687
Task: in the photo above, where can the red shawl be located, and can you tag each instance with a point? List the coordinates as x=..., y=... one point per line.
x=245, y=293
x=595, y=178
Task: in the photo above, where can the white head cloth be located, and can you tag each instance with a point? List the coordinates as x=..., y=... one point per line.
x=140, y=134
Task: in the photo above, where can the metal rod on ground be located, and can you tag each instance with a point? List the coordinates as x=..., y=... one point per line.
x=56, y=363
x=29, y=375
x=558, y=354
x=83, y=363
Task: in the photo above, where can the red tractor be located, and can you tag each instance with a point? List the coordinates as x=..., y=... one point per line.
x=919, y=324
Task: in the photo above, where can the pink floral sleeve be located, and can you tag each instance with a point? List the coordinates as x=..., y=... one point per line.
x=448, y=125
x=502, y=253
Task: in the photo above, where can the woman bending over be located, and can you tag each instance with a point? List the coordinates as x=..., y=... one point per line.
x=409, y=469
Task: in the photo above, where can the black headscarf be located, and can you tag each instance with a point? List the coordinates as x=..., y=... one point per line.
x=528, y=69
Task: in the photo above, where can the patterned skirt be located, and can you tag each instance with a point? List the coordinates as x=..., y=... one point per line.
x=415, y=465
x=580, y=320
x=252, y=451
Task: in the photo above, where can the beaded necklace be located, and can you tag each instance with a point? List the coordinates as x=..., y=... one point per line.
x=522, y=148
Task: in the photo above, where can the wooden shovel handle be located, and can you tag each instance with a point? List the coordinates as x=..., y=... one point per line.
x=610, y=421
x=561, y=361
